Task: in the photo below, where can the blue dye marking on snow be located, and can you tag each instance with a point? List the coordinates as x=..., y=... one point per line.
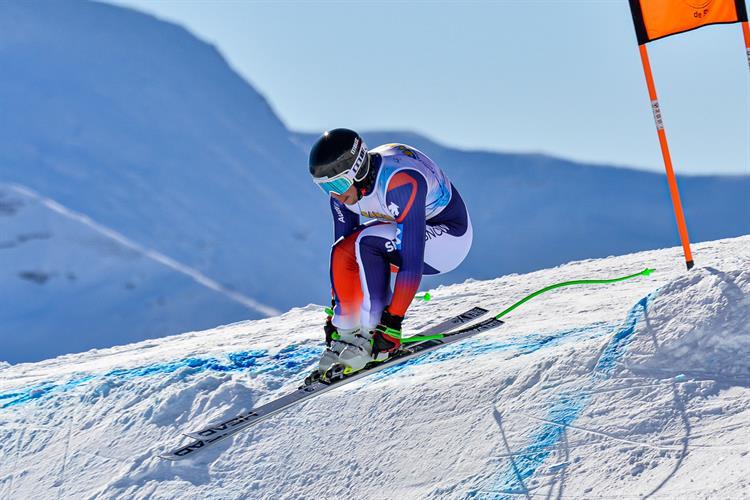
x=510, y=481
x=616, y=348
x=40, y=390
x=543, y=441
x=295, y=358
x=288, y=361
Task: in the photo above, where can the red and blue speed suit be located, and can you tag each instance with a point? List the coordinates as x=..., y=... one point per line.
x=420, y=226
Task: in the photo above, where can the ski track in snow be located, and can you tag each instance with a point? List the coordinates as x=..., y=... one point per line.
x=149, y=253
x=639, y=389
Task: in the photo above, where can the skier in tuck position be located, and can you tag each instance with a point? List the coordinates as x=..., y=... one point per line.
x=419, y=225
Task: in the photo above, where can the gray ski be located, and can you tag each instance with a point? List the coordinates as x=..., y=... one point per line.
x=216, y=432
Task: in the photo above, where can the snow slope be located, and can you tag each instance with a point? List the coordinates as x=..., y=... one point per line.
x=57, y=263
x=635, y=389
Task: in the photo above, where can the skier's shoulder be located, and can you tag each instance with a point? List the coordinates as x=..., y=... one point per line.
x=397, y=152
x=396, y=156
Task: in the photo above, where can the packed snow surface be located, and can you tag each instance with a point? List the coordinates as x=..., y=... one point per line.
x=640, y=388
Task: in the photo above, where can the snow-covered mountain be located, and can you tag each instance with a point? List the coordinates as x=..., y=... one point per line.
x=63, y=275
x=136, y=125
x=139, y=125
x=639, y=388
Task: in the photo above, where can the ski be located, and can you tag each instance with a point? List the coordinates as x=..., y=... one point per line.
x=216, y=432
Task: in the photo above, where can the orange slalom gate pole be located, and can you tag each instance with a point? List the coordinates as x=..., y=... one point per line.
x=673, y=191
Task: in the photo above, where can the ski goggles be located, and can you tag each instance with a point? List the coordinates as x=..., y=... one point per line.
x=338, y=184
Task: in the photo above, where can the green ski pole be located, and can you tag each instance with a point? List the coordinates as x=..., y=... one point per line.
x=645, y=272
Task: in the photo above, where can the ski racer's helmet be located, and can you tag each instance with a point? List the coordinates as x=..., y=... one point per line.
x=338, y=160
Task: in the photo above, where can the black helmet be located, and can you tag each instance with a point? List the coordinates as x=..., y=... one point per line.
x=337, y=151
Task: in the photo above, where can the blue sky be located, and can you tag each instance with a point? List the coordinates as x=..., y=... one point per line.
x=558, y=77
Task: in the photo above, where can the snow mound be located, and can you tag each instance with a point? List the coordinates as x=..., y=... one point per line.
x=696, y=327
x=648, y=407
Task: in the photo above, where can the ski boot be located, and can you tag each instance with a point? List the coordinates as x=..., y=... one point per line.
x=356, y=356
x=337, y=339
x=367, y=347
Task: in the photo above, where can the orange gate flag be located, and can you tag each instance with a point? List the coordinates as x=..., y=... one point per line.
x=656, y=19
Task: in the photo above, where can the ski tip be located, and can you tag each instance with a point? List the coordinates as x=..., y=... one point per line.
x=185, y=451
x=178, y=454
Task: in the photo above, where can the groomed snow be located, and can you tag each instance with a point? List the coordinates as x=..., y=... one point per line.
x=624, y=390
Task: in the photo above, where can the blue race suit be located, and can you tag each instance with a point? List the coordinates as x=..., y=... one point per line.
x=419, y=225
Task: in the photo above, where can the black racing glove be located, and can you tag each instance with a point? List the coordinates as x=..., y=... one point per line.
x=387, y=335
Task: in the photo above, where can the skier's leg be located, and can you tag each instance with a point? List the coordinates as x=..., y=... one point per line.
x=448, y=238
x=360, y=280
x=347, y=299
x=443, y=251
x=345, y=283
x=374, y=252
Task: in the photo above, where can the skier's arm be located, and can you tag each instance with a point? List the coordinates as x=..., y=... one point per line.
x=406, y=195
x=344, y=220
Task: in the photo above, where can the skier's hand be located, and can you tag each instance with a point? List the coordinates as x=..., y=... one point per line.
x=387, y=335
